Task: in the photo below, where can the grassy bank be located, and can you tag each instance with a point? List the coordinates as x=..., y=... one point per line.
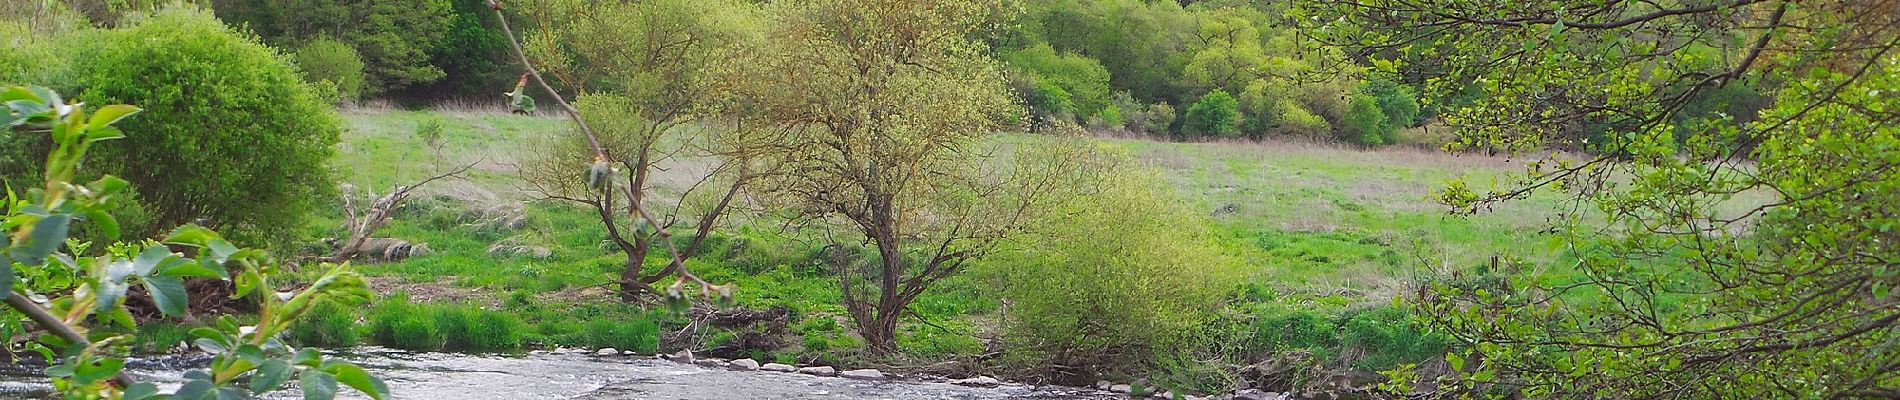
x=1328, y=236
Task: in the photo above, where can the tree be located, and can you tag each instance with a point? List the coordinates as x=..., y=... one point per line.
x=887, y=104
x=235, y=137
x=1216, y=114
x=394, y=37
x=649, y=79
x=1680, y=288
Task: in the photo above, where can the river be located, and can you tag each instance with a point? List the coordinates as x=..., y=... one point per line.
x=585, y=377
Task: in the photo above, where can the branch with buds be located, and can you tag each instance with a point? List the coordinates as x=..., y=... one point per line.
x=599, y=176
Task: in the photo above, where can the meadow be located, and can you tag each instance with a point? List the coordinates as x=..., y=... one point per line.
x=1326, y=232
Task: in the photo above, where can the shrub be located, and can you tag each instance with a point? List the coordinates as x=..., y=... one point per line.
x=329, y=62
x=1398, y=102
x=1113, y=276
x=1216, y=114
x=327, y=325
x=1365, y=124
x=231, y=134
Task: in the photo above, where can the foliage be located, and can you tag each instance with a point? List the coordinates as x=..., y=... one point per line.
x=236, y=138
x=37, y=227
x=396, y=39
x=330, y=63
x=879, y=176
x=640, y=96
x=1083, y=80
x=1114, y=276
x=1215, y=114
x=1684, y=285
x=1365, y=124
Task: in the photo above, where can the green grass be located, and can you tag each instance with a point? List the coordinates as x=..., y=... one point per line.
x=1330, y=233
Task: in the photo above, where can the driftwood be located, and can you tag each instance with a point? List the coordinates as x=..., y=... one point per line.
x=359, y=224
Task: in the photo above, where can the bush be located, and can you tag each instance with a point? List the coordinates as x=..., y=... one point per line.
x=1365, y=124
x=231, y=134
x=1114, y=276
x=327, y=325
x=334, y=64
x=1216, y=114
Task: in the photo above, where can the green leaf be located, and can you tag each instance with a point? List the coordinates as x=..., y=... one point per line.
x=140, y=391
x=191, y=269
x=306, y=357
x=168, y=292
x=107, y=225
x=6, y=277
x=47, y=236
x=109, y=115
x=86, y=374
x=197, y=389
x=362, y=381
x=220, y=249
x=110, y=294
x=103, y=134
x=149, y=259
x=209, y=345
x=12, y=93
x=317, y=385
x=270, y=376
x=191, y=235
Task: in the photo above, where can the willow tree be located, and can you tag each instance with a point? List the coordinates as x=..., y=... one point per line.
x=887, y=106
x=641, y=70
x=1751, y=254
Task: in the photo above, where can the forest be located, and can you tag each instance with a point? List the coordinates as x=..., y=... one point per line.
x=1265, y=199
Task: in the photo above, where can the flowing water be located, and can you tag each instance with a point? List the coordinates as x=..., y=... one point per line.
x=578, y=376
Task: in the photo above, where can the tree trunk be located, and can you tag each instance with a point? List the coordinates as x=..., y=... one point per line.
x=631, y=283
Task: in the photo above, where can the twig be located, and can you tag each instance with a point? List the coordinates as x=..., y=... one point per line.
x=19, y=302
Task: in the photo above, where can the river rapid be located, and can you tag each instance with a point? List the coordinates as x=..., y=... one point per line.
x=578, y=377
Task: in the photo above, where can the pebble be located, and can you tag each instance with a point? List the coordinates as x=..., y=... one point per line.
x=776, y=367
x=607, y=351
x=1119, y=388
x=743, y=364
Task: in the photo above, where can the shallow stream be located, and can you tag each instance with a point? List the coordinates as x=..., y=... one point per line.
x=580, y=377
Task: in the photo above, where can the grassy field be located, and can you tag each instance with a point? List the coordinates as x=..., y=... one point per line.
x=1321, y=228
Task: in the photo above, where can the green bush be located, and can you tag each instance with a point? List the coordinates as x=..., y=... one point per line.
x=494, y=331
x=1296, y=330
x=230, y=134
x=1365, y=124
x=332, y=63
x=1216, y=114
x=327, y=325
x=1115, y=275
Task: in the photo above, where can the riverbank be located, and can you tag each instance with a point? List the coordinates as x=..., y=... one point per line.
x=1326, y=238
